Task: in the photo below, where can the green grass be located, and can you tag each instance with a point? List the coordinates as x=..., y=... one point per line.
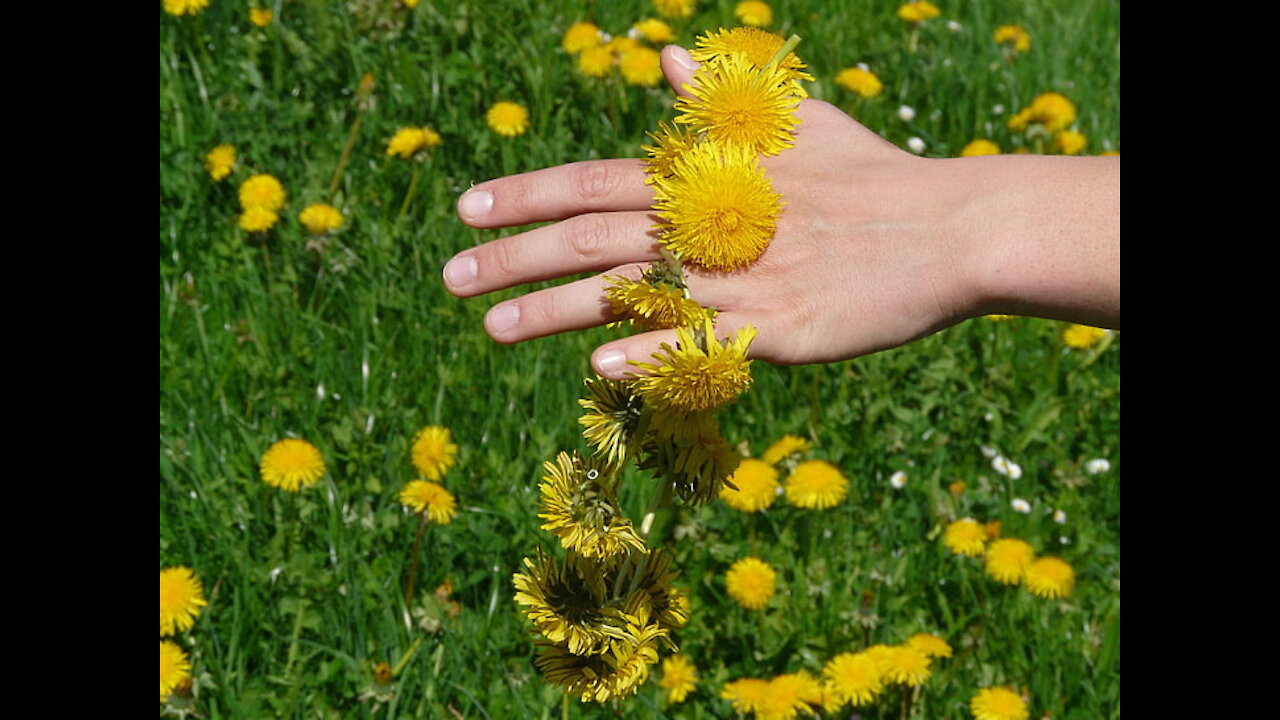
x=358, y=346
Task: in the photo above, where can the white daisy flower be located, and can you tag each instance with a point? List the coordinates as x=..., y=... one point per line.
x=915, y=145
x=1060, y=517
x=1097, y=465
x=906, y=113
x=1021, y=506
x=898, y=480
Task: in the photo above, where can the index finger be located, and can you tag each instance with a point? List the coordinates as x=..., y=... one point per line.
x=556, y=193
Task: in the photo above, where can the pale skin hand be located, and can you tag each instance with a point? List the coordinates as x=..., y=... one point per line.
x=875, y=247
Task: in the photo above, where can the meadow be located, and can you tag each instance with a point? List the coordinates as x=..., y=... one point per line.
x=347, y=339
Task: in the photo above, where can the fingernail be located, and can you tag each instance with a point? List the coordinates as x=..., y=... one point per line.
x=475, y=204
x=460, y=271
x=503, y=318
x=611, y=363
x=683, y=58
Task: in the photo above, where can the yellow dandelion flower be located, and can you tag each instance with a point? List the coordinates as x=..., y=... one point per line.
x=747, y=695
x=1050, y=577
x=760, y=47
x=998, y=703
x=1082, y=337
x=653, y=305
x=785, y=447
x=616, y=672
x=579, y=37
x=424, y=496
x=178, y=8
x=816, y=485
x=1070, y=142
x=220, y=161
x=956, y=488
x=1052, y=110
x=1014, y=36
x=655, y=31
x=508, y=119
x=292, y=464
x=407, y=141
x=980, y=147
x=258, y=219
x=1007, y=560
x=1110, y=153
x=678, y=9
x=320, y=218
x=641, y=66
x=695, y=375
x=736, y=103
x=788, y=696
x=753, y=13
x=757, y=486
x=181, y=598
x=262, y=190
x=906, y=665
x=433, y=451
x=751, y=582
x=612, y=417
x=965, y=537
x=580, y=508
x=718, y=210
x=687, y=451
x=918, y=11
x=566, y=603
x=853, y=678
x=670, y=142
x=622, y=44
x=260, y=17
x=174, y=668
x=860, y=82
x=930, y=644
x=596, y=61
x=679, y=678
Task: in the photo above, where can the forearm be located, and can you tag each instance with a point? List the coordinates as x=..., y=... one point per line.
x=1046, y=236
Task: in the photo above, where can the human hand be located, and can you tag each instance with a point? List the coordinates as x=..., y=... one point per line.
x=875, y=247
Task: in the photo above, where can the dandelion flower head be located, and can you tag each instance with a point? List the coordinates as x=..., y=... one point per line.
x=694, y=378
x=679, y=678
x=930, y=644
x=754, y=13
x=1082, y=337
x=965, y=537
x=258, y=219
x=174, y=667
x=260, y=17
x=788, y=696
x=181, y=597
x=580, y=36
x=424, y=496
x=751, y=582
x=641, y=66
x=508, y=119
x=785, y=447
x=757, y=483
x=747, y=695
x=859, y=81
x=676, y=9
x=1052, y=110
x=918, y=11
x=580, y=508
x=178, y=8
x=816, y=485
x=980, y=147
x=407, y=141
x=854, y=678
x=1070, y=142
x=653, y=305
x=612, y=417
x=1050, y=577
x=1014, y=36
x=760, y=47
x=262, y=190
x=433, y=451
x=1007, y=560
x=737, y=103
x=998, y=703
x=655, y=31
x=220, y=161
x=596, y=61
x=292, y=464
x=906, y=665
x=320, y=218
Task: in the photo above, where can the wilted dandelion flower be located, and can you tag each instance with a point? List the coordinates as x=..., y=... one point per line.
x=998, y=703
x=753, y=13
x=980, y=147
x=679, y=678
x=918, y=11
x=1069, y=142
x=785, y=447
x=641, y=66
x=678, y=9
x=854, y=678
x=1082, y=337
x=930, y=644
x=262, y=191
x=760, y=47
x=956, y=488
x=433, y=451
x=655, y=31
x=757, y=483
x=220, y=161
x=1007, y=560
x=508, y=119
x=747, y=695
x=181, y=598
x=424, y=496
x=178, y=8
x=859, y=81
x=579, y=37
x=566, y=604
x=292, y=464
x=1014, y=36
x=751, y=582
x=965, y=537
x=174, y=667
x=718, y=210
x=1050, y=577
x=260, y=17
x=320, y=218
x=612, y=417
x=898, y=480
x=1052, y=110
x=737, y=103
x=906, y=665
x=816, y=485
x=596, y=61
x=258, y=219
x=582, y=511
x=1020, y=506
x=615, y=673
x=692, y=378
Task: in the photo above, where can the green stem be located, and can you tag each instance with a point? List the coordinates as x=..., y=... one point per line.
x=783, y=51
x=413, y=565
x=346, y=155
x=413, y=185
x=404, y=659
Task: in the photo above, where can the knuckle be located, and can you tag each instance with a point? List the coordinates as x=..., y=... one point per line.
x=593, y=180
x=541, y=315
x=587, y=237
x=519, y=198
x=502, y=258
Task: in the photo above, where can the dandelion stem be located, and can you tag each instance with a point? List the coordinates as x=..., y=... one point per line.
x=783, y=51
x=346, y=154
x=404, y=659
x=413, y=564
x=408, y=195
